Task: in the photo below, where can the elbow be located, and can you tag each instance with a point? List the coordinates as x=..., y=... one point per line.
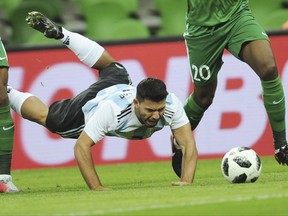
x=195, y=152
x=77, y=149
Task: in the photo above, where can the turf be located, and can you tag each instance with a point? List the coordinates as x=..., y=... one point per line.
x=144, y=189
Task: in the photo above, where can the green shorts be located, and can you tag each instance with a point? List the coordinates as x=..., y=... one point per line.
x=3, y=56
x=205, y=45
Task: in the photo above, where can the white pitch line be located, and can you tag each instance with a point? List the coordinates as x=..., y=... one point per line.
x=162, y=206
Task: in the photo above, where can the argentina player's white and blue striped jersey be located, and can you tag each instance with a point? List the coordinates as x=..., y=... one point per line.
x=111, y=113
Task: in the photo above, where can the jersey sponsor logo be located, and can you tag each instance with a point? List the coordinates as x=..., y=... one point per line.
x=2, y=58
x=125, y=93
x=7, y=128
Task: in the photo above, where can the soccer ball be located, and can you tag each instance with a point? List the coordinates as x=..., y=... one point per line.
x=240, y=165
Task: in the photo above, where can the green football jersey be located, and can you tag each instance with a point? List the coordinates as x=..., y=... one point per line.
x=3, y=56
x=212, y=12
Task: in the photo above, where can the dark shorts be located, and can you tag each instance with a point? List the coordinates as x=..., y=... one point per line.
x=65, y=117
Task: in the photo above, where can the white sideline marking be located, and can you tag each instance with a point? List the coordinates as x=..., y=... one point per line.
x=161, y=206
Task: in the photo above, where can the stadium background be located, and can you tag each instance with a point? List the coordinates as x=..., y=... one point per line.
x=146, y=36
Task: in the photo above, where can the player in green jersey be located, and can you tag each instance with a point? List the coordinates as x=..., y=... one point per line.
x=6, y=128
x=215, y=25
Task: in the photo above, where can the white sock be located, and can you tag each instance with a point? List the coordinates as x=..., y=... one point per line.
x=87, y=51
x=17, y=99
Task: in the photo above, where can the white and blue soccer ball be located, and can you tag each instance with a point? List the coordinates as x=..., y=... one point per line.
x=241, y=165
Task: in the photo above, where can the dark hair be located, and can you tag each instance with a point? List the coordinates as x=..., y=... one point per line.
x=152, y=89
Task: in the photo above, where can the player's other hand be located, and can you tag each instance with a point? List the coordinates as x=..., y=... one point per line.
x=180, y=183
x=101, y=188
x=281, y=155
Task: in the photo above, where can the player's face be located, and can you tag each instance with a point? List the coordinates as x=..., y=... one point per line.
x=149, y=112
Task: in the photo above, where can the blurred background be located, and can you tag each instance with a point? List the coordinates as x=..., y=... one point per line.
x=49, y=70
x=107, y=20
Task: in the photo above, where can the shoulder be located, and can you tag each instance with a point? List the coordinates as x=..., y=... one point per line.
x=122, y=96
x=172, y=100
x=116, y=89
x=173, y=105
x=174, y=112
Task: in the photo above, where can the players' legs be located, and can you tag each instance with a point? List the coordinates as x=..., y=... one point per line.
x=28, y=106
x=250, y=43
x=6, y=135
x=88, y=51
x=258, y=54
x=6, y=128
x=205, y=47
x=199, y=101
x=6, y=124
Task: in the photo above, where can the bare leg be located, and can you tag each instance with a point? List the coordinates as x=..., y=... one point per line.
x=199, y=101
x=6, y=128
x=204, y=95
x=104, y=61
x=259, y=55
x=28, y=106
x=34, y=110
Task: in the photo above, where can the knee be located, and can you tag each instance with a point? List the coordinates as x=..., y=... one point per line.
x=4, y=101
x=34, y=110
x=269, y=72
x=204, y=101
x=3, y=96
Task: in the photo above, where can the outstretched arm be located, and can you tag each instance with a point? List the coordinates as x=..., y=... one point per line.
x=82, y=151
x=185, y=139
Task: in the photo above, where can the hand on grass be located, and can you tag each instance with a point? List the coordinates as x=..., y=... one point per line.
x=101, y=188
x=180, y=183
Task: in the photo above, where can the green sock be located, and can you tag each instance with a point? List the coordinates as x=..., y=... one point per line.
x=274, y=102
x=6, y=139
x=193, y=111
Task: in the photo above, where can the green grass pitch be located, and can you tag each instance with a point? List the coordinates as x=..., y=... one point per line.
x=144, y=189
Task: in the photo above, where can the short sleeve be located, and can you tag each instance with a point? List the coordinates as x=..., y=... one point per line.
x=100, y=122
x=179, y=118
